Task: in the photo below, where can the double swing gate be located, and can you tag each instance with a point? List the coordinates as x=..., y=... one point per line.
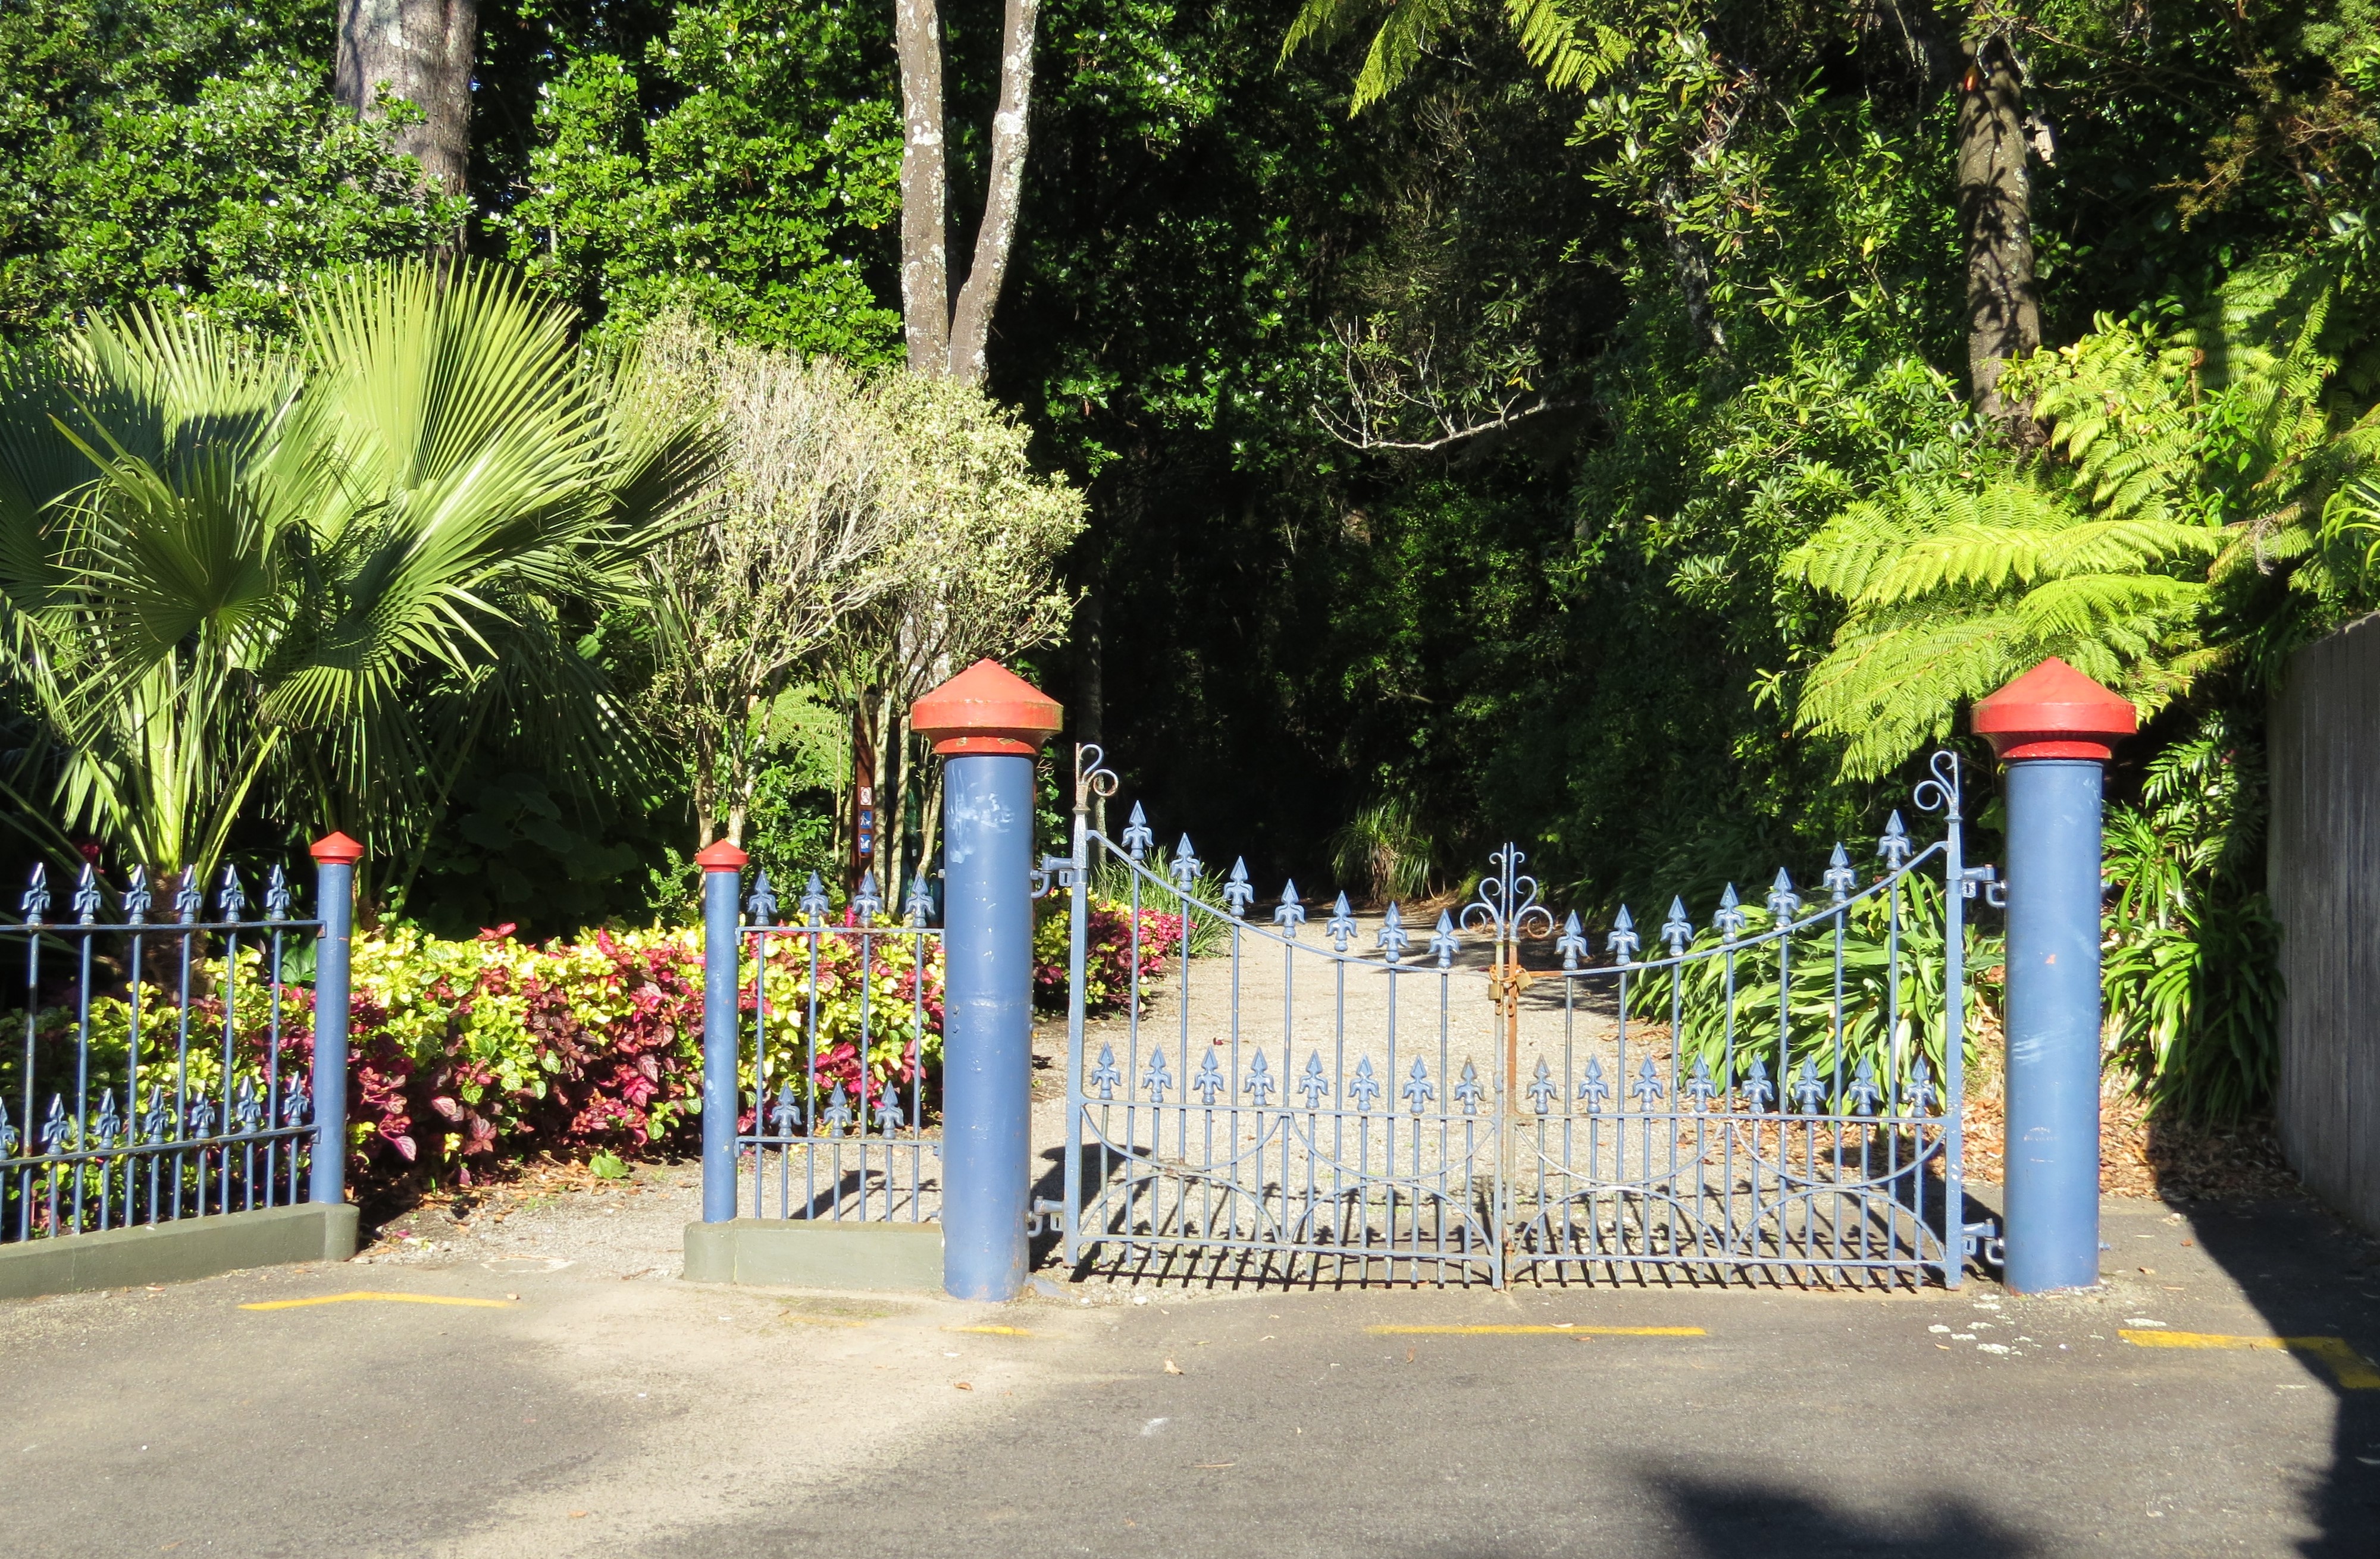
x=1772, y=1095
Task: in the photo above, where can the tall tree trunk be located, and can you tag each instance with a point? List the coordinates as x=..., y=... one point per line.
x=420, y=50
x=925, y=256
x=971, y=326
x=1996, y=220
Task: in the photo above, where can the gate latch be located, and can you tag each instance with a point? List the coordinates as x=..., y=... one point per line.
x=1983, y=1239
x=1046, y=1216
x=1055, y=872
x=1987, y=879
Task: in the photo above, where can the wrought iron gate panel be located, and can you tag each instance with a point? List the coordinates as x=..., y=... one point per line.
x=1777, y=1095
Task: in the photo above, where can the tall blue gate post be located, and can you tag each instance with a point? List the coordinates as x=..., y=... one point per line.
x=987, y=724
x=2055, y=729
x=723, y=935
x=334, y=901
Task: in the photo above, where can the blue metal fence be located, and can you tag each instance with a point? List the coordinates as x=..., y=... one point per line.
x=163, y=1069
x=836, y=1057
x=1773, y=1096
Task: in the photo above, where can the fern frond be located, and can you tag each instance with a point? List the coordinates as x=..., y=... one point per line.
x=1573, y=53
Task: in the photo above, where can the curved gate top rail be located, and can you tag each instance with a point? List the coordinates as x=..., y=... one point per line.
x=1774, y=1094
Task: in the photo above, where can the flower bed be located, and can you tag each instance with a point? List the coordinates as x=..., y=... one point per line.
x=471, y=1055
x=1107, y=954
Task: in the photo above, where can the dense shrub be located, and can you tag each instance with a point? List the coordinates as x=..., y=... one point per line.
x=472, y=1054
x=1107, y=954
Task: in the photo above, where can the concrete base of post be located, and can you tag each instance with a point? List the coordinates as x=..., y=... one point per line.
x=177, y=1251
x=797, y=1254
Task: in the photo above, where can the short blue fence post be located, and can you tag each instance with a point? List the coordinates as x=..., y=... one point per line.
x=2055, y=729
x=987, y=724
x=335, y=902
x=723, y=935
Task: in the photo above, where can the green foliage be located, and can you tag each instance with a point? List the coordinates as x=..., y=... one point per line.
x=348, y=564
x=1383, y=849
x=1890, y=1002
x=186, y=154
x=743, y=169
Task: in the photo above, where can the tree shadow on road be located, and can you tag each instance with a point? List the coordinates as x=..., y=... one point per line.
x=1726, y=1518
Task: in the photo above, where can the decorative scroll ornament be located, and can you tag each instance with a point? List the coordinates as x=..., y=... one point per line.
x=1507, y=903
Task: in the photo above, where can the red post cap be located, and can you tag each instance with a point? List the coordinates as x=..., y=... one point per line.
x=2054, y=711
x=986, y=708
x=336, y=850
x=720, y=856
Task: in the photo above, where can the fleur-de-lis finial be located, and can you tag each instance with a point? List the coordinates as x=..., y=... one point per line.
x=785, y=1114
x=1469, y=1091
x=1209, y=1079
x=1677, y=931
x=1592, y=1089
x=1418, y=1089
x=1156, y=1077
x=812, y=905
x=1442, y=943
x=86, y=895
x=1571, y=943
x=190, y=900
x=1543, y=1089
x=1311, y=1082
x=1186, y=867
x=1841, y=879
x=867, y=904
x=231, y=898
x=1259, y=1083
x=277, y=894
x=761, y=905
x=1364, y=1088
x=920, y=904
x=1730, y=918
x=1783, y=902
x=1105, y=1077
x=1893, y=849
x=1139, y=839
x=1624, y=942
x=137, y=900
x=1238, y=892
x=1292, y=912
x=36, y=901
x=1341, y=923
x=1758, y=1090
x=1392, y=938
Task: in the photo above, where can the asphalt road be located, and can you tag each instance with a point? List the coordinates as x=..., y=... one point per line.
x=594, y=1416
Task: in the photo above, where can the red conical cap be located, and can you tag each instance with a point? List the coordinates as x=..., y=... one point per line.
x=720, y=856
x=986, y=708
x=2054, y=711
x=336, y=850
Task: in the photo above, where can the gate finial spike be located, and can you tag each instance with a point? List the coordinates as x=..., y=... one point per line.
x=36, y=902
x=1840, y=878
x=1392, y=938
x=1292, y=913
x=1624, y=942
x=1783, y=902
x=1730, y=919
x=1571, y=943
x=1237, y=890
x=1138, y=838
x=86, y=895
x=1341, y=923
x=138, y=899
x=812, y=905
x=920, y=903
x=1442, y=945
x=866, y=905
x=1893, y=848
x=762, y=904
x=1677, y=931
x=1186, y=867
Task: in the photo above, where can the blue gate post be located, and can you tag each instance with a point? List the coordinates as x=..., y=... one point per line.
x=2055, y=729
x=987, y=724
x=334, y=901
x=722, y=937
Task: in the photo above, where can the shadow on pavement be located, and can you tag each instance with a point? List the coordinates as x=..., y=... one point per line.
x=2310, y=1274
x=1730, y=1518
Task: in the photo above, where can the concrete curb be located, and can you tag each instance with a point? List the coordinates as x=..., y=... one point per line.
x=797, y=1254
x=177, y=1251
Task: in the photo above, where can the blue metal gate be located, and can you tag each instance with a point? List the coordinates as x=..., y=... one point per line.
x=1772, y=1095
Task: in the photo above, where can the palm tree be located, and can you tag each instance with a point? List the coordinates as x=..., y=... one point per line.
x=329, y=571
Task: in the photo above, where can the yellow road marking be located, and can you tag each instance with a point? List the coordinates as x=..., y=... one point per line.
x=1535, y=1331
x=385, y=1299
x=994, y=1331
x=2350, y=1368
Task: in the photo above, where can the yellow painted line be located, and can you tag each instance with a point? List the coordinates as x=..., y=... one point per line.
x=994, y=1331
x=1536, y=1331
x=2350, y=1368
x=385, y=1299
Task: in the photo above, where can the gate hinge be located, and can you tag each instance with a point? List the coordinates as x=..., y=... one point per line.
x=1983, y=1239
x=1046, y=1216
x=1055, y=872
x=1986, y=878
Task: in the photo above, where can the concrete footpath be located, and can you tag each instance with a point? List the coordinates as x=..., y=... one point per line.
x=562, y=1393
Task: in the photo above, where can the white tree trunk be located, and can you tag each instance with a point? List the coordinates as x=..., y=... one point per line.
x=971, y=325
x=925, y=260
